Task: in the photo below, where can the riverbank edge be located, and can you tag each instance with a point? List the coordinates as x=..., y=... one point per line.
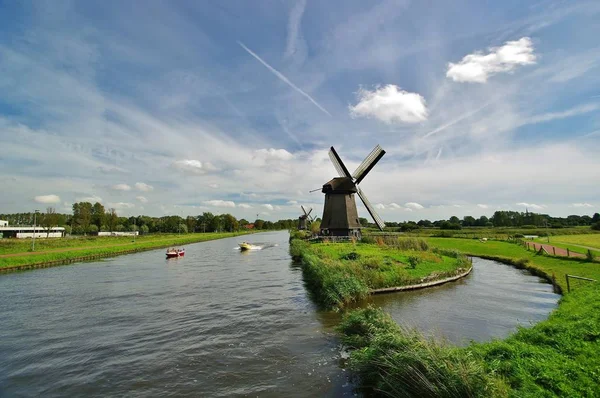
x=315, y=285
x=362, y=331
x=418, y=286
x=77, y=259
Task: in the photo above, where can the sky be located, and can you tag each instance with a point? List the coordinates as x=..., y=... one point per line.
x=177, y=108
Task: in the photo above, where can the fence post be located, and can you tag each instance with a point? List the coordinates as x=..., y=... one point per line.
x=568, y=287
x=554, y=250
x=568, y=252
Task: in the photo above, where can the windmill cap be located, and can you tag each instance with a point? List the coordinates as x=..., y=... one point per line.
x=340, y=185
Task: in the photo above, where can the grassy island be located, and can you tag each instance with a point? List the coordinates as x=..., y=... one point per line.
x=338, y=274
x=554, y=358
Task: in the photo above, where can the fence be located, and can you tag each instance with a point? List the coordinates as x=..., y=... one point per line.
x=567, y=276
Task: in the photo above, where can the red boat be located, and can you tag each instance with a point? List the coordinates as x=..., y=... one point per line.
x=171, y=253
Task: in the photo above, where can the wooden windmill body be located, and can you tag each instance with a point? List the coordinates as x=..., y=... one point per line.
x=340, y=216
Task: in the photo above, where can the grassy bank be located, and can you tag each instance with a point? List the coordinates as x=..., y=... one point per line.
x=556, y=357
x=57, y=250
x=342, y=273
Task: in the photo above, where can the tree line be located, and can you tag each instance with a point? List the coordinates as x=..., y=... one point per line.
x=88, y=218
x=501, y=218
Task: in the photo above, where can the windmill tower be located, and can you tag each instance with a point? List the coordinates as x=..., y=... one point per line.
x=340, y=217
x=304, y=219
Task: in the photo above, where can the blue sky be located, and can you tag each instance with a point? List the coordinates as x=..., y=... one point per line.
x=183, y=107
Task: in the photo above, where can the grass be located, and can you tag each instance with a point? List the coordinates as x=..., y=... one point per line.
x=557, y=357
x=484, y=232
x=66, y=249
x=339, y=274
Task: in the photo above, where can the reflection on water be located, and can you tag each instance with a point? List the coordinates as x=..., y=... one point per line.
x=216, y=323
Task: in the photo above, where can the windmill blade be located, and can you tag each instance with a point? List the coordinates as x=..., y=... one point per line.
x=370, y=161
x=370, y=209
x=304, y=210
x=309, y=211
x=338, y=164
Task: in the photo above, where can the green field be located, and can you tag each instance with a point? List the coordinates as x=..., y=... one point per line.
x=555, y=358
x=501, y=233
x=342, y=273
x=576, y=243
x=14, y=252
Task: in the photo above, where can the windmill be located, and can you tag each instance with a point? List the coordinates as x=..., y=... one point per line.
x=305, y=218
x=340, y=217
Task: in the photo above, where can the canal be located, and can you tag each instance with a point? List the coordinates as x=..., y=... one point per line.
x=218, y=323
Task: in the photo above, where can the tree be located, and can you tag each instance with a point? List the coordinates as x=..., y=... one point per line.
x=482, y=221
x=98, y=215
x=49, y=220
x=596, y=226
x=82, y=215
x=182, y=228
x=112, y=219
x=596, y=218
x=454, y=220
x=144, y=229
x=315, y=227
x=469, y=221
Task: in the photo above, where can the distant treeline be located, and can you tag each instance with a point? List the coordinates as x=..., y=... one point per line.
x=91, y=218
x=503, y=219
x=88, y=218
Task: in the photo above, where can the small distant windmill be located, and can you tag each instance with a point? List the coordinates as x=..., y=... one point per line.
x=340, y=217
x=305, y=219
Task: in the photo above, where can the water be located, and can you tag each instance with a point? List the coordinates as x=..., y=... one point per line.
x=488, y=303
x=217, y=322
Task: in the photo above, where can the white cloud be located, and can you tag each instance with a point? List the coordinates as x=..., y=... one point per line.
x=477, y=67
x=220, y=203
x=121, y=205
x=272, y=154
x=380, y=206
x=193, y=166
x=244, y=206
x=413, y=205
x=482, y=206
x=121, y=187
x=531, y=205
x=213, y=186
x=143, y=187
x=582, y=205
x=47, y=199
x=394, y=206
x=292, y=202
x=91, y=199
x=142, y=199
x=268, y=206
x=390, y=104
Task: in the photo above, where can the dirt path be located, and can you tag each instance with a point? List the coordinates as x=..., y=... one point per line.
x=553, y=250
x=66, y=249
x=583, y=247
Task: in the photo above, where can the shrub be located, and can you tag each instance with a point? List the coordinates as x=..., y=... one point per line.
x=413, y=261
x=350, y=256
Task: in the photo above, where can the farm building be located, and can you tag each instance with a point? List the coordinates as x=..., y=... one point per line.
x=27, y=232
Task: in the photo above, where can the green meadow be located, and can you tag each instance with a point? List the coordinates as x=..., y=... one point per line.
x=554, y=358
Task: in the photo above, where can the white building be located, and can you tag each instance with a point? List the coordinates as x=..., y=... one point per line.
x=28, y=232
x=3, y=223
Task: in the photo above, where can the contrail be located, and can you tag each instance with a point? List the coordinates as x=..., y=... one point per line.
x=458, y=119
x=283, y=78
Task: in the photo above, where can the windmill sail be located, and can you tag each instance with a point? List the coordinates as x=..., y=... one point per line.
x=338, y=164
x=370, y=161
x=370, y=209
